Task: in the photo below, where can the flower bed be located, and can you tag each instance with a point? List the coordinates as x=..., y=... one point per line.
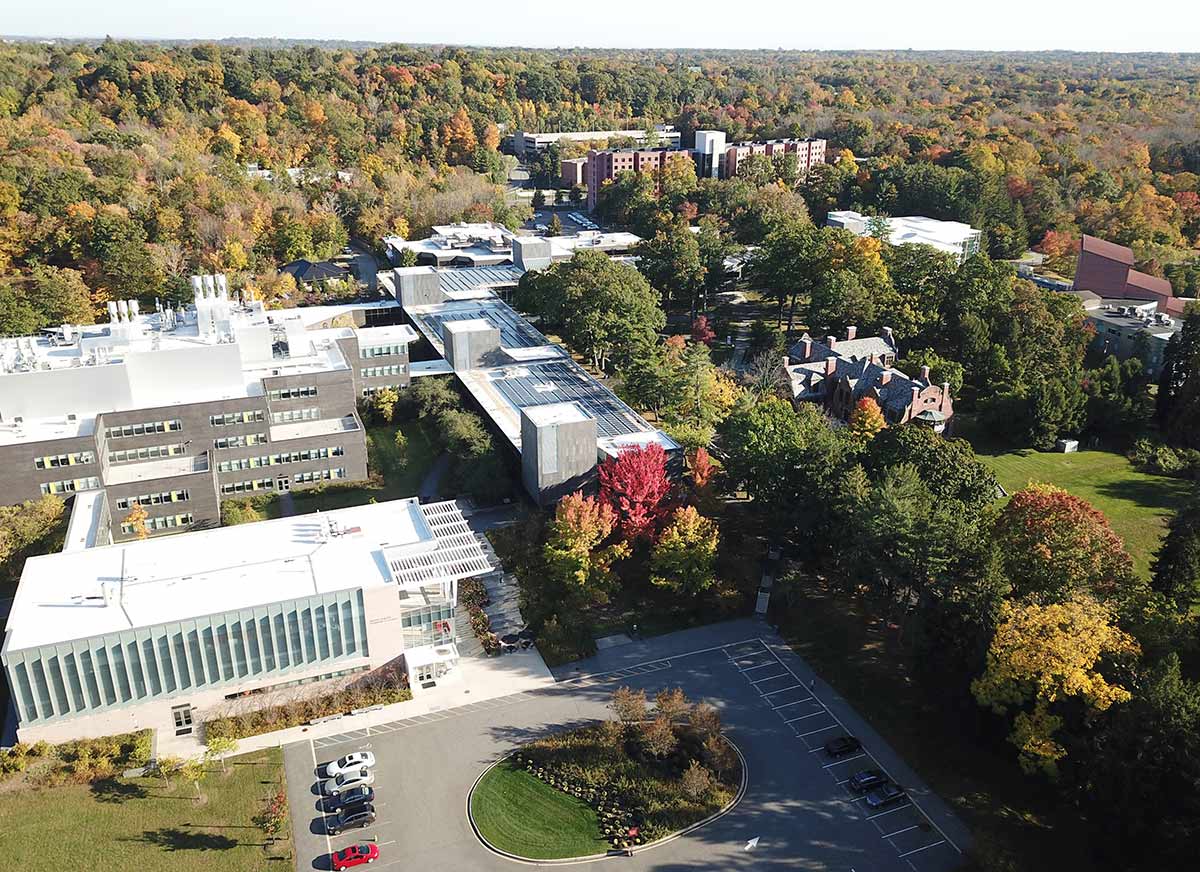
x=79, y=762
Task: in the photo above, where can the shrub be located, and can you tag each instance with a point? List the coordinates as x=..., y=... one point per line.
x=472, y=594
x=629, y=705
x=658, y=737
x=80, y=761
x=696, y=781
x=672, y=704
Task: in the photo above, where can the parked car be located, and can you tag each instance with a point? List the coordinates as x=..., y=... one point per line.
x=345, y=781
x=842, y=745
x=354, y=817
x=353, y=796
x=885, y=794
x=357, y=760
x=868, y=779
x=355, y=855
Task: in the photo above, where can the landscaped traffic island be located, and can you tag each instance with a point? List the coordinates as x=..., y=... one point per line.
x=620, y=784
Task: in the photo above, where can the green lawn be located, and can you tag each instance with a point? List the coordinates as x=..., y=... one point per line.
x=518, y=813
x=140, y=824
x=1137, y=504
x=392, y=483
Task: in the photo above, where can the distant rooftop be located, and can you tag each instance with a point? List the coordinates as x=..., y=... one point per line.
x=948, y=236
x=89, y=592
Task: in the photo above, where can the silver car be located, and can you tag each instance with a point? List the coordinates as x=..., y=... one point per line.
x=347, y=780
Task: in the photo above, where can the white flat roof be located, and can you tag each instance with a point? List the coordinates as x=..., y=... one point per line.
x=560, y=413
x=160, y=580
x=86, y=514
x=319, y=427
x=146, y=470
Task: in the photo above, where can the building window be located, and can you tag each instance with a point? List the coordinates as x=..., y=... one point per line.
x=70, y=485
x=290, y=415
x=242, y=441
x=379, y=371
x=374, y=389
x=167, y=522
x=276, y=459
x=158, y=499
x=54, y=461
x=183, y=719
x=293, y=393
x=253, y=416
x=318, y=475
x=382, y=350
x=146, y=428
x=146, y=452
x=244, y=487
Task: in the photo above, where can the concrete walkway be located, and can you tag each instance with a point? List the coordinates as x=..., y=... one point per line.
x=431, y=484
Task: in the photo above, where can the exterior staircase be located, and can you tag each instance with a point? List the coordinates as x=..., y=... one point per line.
x=502, y=611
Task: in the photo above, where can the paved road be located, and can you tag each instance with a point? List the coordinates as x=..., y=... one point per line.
x=795, y=805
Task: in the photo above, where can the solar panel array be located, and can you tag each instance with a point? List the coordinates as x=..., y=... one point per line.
x=515, y=331
x=472, y=277
x=544, y=384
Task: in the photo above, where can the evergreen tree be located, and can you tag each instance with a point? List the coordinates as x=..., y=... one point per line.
x=1176, y=571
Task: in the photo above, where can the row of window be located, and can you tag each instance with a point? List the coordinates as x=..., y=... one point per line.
x=293, y=393
x=246, y=487
x=57, y=681
x=242, y=441
x=174, y=496
x=54, y=461
x=123, y=431
x=426, y=615
x=146, y=452
x=374, y=389
x=382, y=350
x=377, y=371
x=286, y=417
x=70, y=485
x=318, y=475
x=251, y=416
x=276, y=459
x=167, y=522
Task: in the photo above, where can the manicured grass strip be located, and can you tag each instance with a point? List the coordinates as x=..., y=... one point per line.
x=518, y=813
x=138, y=824
x=1137, y=504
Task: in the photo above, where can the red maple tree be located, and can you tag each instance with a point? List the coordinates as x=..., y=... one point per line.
x=702, y=468
x=636, y=485
x=701, y=331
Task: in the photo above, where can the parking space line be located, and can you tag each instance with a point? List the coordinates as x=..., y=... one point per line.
x=805, y=717
x=898, y=832
x=890, y=811
x=843, y=760
x=785, y=690
x=760, y=666
x=776, y=708
x=823, y=729
x=919, y=850
x=769, y=678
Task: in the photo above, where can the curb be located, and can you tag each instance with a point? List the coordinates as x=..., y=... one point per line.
x=595, y=858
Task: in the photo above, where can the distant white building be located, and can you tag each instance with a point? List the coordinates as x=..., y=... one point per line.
x=527, y=144
x=953, y=237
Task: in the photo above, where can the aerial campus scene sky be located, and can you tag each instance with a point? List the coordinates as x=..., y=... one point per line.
x=1172, y=26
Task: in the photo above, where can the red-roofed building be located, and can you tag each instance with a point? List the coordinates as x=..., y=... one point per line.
x=1106, y=268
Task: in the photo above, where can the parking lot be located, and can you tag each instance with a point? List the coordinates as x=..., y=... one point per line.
x=797, y=802
x=575, y=219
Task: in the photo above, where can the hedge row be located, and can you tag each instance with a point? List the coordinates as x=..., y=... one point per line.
x=301, y=711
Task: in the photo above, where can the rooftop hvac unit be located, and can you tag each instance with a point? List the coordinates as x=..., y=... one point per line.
x=71, y=416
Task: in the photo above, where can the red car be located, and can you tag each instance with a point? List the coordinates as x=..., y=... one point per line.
x=355, y=855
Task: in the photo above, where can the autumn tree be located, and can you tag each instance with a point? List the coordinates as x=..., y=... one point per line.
x=1043, y=657
x=136, y=521
x=866, y=420
x=634, y=485
x=574, y=551
x=458, y=138
x=629, y=705
x=702, y=331
x=685, y=554
x=702, y=469
x=195, y=771
x=672, y=702
x=696, y=781
x=1053, y=544
x=383, y=404
x=658, y=736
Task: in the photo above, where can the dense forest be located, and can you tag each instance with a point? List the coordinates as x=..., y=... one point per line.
x=123, y=166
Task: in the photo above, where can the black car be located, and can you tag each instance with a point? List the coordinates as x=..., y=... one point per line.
x=842, y=745
x=868, y=779
x=885, y=794
x=353, y=818
x=354, y=796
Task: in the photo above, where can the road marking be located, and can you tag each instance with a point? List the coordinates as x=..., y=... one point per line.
x=313, y=751
x=769, y=678
x=919, y=850
x=898, y=832
x=889, y=811
x=843, y=760
x=803, y=717
x=776, y=708
x=814, y=732
x=785, y=690
x=760, y=666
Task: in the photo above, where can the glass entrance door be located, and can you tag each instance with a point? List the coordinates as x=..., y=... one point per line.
x=283, y=484
x=183, y=720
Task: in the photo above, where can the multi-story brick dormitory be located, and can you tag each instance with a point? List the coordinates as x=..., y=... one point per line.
x=177, y=410
x=839, y=373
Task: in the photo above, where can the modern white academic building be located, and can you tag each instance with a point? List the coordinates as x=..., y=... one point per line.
x=162, y=633
x=953, y=237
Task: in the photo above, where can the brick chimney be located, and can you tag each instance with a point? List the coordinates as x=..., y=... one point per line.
x=887, y=377
x=805, y=349
x=925, y=374
x=916, y=393
x=945, y=393
x=851, y=331
x=887, y=336
x=830, y=365
x=831, y=341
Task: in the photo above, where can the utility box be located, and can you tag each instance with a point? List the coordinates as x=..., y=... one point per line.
x=1066, y=446
x=558, y=450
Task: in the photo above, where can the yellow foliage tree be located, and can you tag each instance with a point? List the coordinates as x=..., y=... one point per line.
x=1046, y=654
x=137, y=520
x=458, y=137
